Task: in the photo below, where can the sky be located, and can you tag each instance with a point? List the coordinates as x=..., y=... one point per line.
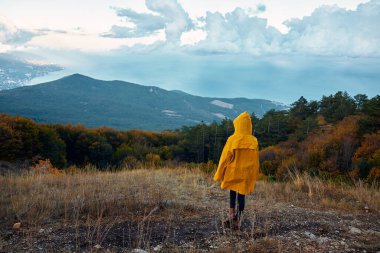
x=275, y=49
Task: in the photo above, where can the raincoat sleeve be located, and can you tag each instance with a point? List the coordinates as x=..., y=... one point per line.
x=225, y=158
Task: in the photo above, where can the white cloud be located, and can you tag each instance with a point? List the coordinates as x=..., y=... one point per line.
x=331, y=30
x=193, y=37
x=127, y=32
x=177, y=19
x=12, y=38
x=145, y=24
x=89, y=42
x=170, y=16
x=328, y=30
x=11, y=35
x=237, y=32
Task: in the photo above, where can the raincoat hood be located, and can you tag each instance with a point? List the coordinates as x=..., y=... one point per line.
x=243, y=138
x=243, y=124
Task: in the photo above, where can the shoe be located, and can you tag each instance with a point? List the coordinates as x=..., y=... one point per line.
x=229, y=223
x=237, y=221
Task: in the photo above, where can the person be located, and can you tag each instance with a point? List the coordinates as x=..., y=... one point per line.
x=238, y=167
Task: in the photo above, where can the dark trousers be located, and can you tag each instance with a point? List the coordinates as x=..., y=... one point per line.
x=241, y=201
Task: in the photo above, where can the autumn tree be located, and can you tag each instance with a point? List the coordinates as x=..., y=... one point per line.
x=367, y=156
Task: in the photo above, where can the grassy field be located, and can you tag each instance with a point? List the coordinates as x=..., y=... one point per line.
x=181, y=210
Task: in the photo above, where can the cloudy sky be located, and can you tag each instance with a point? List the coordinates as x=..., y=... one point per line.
x=274, y=49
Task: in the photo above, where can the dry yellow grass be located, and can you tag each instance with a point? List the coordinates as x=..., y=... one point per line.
x=38, y=198
x=95, y=203
x=306, y=191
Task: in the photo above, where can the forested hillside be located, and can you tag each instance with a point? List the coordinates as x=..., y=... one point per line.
x=337, y=137
x=79, y=99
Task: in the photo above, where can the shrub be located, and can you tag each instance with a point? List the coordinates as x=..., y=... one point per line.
x=266, y=168
x=45, y=167
x=152, y=159
x=286, y=168
x=208, y=167
x=374, y=174
x=130, y=162
x=263, y=177
x=267, y=154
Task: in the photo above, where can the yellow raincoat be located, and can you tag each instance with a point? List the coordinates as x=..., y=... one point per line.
x=238, y=167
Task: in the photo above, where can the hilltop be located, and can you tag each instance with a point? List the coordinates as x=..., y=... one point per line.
x=181, y=209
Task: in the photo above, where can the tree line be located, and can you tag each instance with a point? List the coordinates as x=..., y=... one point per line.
x=337, y=135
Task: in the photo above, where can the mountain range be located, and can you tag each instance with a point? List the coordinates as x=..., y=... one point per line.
x=122, y=105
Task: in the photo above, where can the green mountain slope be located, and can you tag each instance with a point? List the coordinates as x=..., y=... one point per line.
x=122, y=105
